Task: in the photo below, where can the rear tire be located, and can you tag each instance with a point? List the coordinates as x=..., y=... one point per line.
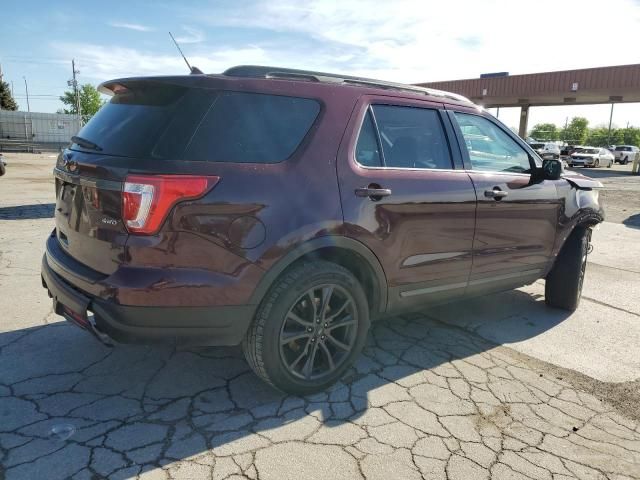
x=319, y=351
x=597, y=163
x=563, y=287
x=626, y=160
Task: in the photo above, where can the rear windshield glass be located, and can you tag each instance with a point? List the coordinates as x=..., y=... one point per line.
x=132, y=122
x=623, y=149
x=252, y=128
x=162, y=121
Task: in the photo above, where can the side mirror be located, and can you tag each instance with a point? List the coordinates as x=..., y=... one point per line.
x=552, y=169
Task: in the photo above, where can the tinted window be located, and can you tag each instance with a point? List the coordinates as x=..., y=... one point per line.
x=489, y=147
x=623, y=149
x=252, y=128
x=412, y=137
x=135, y=119
x=367, y=153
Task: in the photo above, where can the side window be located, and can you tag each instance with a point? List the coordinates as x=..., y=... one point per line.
x=412, y=137
x=367, y=153
x=252, y=128
x=491, y=149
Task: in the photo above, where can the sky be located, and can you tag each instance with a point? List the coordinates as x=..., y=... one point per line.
x=401, y=40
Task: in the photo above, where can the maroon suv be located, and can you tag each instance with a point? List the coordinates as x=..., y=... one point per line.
x=285, y=209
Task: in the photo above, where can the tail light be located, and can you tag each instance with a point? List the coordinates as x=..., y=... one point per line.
x=147, y=199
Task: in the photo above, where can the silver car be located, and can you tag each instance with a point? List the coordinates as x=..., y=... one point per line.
x=591, y=157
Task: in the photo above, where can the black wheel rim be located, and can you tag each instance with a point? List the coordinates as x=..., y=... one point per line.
x=319, y=332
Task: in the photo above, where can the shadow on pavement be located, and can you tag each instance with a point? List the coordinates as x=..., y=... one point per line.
x=150, y=406
x=27, y=212
x=602, y=172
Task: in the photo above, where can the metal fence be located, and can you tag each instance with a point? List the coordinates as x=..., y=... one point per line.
x=33, y=131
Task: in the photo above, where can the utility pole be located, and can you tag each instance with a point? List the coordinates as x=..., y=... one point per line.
x=610, y=119
x=76, y=91
x=26, y=87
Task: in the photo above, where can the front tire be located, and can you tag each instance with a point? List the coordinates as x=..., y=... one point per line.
x=309, y=329
x=563, y=287
x=597, y=163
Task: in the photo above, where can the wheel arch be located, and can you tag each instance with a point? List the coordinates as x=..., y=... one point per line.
x=347, y=252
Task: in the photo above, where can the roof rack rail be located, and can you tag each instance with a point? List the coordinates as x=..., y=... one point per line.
x=258, y=71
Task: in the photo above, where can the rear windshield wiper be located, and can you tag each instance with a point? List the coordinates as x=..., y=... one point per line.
x=84, y=143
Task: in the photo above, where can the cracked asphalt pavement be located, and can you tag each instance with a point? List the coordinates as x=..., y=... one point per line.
x=500, y=387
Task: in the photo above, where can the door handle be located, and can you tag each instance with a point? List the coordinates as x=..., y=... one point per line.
x=496, y=193
x=373, y=193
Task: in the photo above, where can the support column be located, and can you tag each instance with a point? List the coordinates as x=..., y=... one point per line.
x=524, y=121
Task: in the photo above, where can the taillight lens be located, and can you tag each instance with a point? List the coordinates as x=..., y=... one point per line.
x=147, y=199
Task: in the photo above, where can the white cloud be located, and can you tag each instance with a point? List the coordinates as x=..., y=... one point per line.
x=131, y=26
x=191, y=35
x=415, y=40
x=100, y=63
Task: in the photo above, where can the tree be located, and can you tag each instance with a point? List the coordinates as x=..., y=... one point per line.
x=90, y=101
x=576, y=131
x=6, y=99
x=630, y=136
x=545, y=132
x=600, y=137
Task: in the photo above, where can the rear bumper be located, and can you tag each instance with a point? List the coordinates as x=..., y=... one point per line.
x=107, y=320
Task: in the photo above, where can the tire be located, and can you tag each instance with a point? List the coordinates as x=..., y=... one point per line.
x=609, y=164
x=282, y=364
x=626, y=160
x=563, y=286
x=597, y=163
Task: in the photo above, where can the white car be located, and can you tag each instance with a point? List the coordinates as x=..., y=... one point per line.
x=626, y=153
x=591, y=157
x=546, y=150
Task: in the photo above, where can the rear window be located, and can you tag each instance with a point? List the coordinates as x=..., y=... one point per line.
x=134, y=121
x=252, y=128
x=148, y=120
x=623, y=149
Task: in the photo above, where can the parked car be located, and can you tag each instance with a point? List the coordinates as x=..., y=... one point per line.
x=3, y=166
x=546, y=150
x=567, y=150
x=591, y=157
x=285, y=210
x=626, y=153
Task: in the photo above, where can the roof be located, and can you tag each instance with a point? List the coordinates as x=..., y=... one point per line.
x=259, y=71
x=619, y=83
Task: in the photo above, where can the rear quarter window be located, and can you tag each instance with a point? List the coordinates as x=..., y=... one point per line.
x=252, y=128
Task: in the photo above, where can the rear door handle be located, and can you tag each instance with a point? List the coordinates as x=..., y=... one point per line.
x=496, y=193
x=373, y=193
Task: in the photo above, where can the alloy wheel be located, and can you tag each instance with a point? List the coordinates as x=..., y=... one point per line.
x=319, y=332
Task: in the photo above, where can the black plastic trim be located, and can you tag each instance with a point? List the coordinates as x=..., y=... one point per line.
x=220, y=325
